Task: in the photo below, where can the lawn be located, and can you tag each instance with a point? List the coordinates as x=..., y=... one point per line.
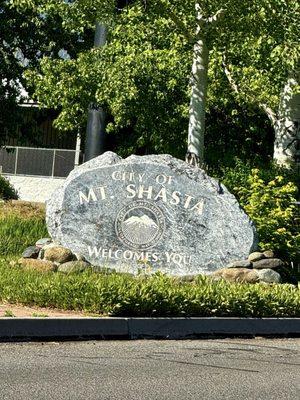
x=158, y=295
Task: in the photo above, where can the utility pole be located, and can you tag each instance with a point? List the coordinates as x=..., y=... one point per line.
x=95, y=131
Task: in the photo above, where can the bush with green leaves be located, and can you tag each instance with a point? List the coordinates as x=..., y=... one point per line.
x=146, y=296
x=268, y=195
x=271, y=205
x=7, y=191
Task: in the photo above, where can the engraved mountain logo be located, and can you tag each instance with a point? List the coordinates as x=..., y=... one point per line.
x=140, y=224
x=140, y=230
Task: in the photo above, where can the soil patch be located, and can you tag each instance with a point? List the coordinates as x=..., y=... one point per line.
x=20, y=311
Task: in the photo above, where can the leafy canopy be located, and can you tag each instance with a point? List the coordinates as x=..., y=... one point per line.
x=27, y=35
x=142, y=75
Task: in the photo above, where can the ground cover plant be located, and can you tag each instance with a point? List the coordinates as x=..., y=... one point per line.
x=21, y=225
x=158, y=295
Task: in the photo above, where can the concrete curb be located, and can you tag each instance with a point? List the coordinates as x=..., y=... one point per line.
x=143, y=328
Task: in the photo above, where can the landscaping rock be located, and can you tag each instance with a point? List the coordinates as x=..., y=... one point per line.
x=31, y=264
x=269, y=254
x=106, y=271
x=238, y=275
x=240, y=264
x=154, y=209
x=73, y=267
x=268, y=276
x=42, y=242
x=80, y=257
x=31, y=252
x=47, y=246
x=256, y=256
x=268, y=263
x=50, y=245
x=58, y=254
x=185, y=278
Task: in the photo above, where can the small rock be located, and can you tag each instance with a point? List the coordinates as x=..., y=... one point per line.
x=58, y=254
x=269, y=254
x=108, y=271
x=50, y=245
x=42, y=242
x=268, y=263
x=256, y=256
x=185, y=278
x=215, y=278
x=47, y=246
x=240, y=264
x=79, y=257
x=268, y=276
x=31, y=264
x=238, y=275
x=31, y=252
x=73, y=266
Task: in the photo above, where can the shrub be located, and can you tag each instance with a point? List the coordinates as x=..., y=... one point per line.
x=155, y=296
x=271, y=205
x=7, y=191
x=268, y=196
x=237, y=175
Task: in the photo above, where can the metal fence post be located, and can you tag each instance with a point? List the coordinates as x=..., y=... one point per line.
x=16, y=162
x=53, y=162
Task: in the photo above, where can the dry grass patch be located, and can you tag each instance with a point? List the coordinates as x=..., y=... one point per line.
x=22, y=209
x=21, y=225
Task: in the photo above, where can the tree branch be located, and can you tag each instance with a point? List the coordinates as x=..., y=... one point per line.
x=268, y=110
x=270, y=113
x=216, y=17
x=184, y=30
x=177, y=21
x=229, y=77
x=199, y=16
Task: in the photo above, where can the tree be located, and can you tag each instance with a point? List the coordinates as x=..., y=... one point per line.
x=142, y=83
x=231, y=27
x=265, y=73
x=238, y=36
x=26, y=37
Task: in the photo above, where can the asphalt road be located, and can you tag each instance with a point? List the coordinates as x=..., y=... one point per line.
x=202, y=369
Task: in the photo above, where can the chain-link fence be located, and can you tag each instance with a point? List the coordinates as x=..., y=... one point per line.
x=37, y=161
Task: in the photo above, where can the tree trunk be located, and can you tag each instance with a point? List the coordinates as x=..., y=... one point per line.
x=198, y=103
x=287, y=133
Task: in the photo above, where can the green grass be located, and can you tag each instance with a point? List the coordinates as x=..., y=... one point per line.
x=21, y=225
x=156, y=296
x=39, y=315
x=9, y=313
